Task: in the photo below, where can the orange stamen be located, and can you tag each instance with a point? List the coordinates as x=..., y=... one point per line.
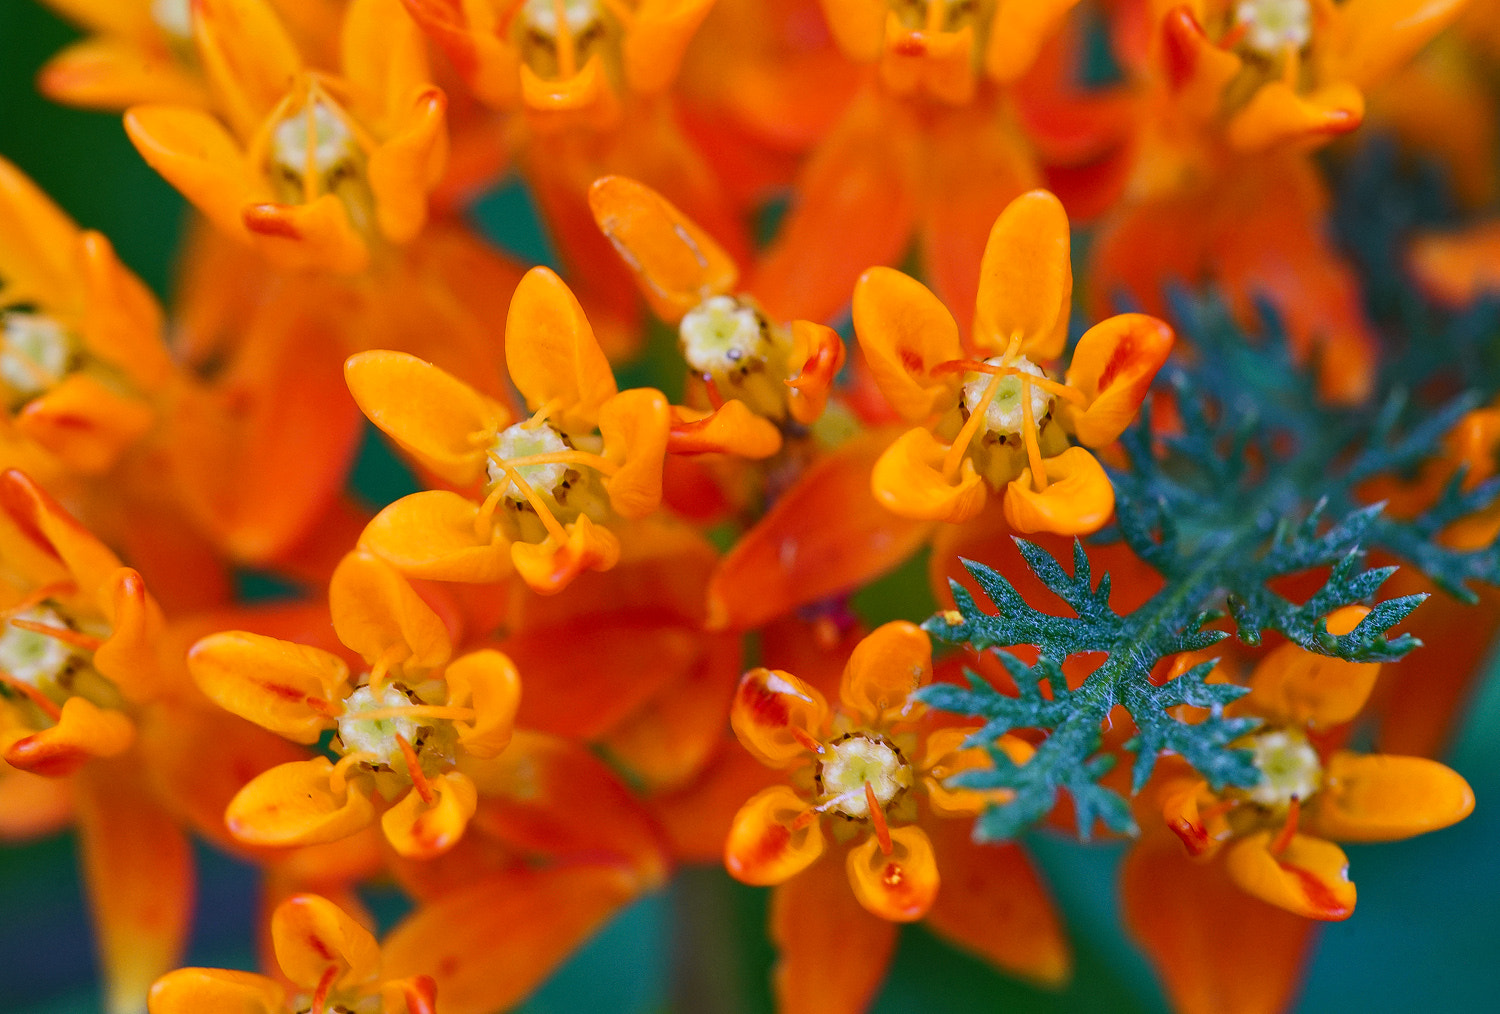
x=382, y=666
x=1220, y=808
x=960, y=445
x=979, y=366
x=1284, y=836
x=76, y=638
x=325, y=986
x=594, y=461
x=541, y=415
x=877, y=817
x=567, y=51
x=310, y=152
x=1033, y=444
x=32, y=694
x=414, y=768
x=41, y=595
x=543, y=512
x=806, y=739
x=1292, y=68
x=715, y=397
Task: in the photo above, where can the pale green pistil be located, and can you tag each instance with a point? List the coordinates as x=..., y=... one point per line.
x=1289, y=768
x=1006, y=415
x=721, y=334
x=519, y=441
x=377, y=736
x=33, y=658
x=851, y=763
x=37, y=353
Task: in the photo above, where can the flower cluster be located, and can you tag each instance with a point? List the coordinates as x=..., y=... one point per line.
x=625, y=617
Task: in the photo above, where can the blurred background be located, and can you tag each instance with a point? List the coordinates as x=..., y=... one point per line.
x=1424, y=936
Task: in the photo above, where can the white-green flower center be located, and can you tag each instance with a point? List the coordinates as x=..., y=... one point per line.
x=722, y=334
x=521, y=441
x=34, y=658
x=315, y=140
x=377, y=735
x=37, y=352
x=175, y=17
x=851, y=763
x=1289, y=768
x=1006, y=416
x=1273, y=26
x=545, y=16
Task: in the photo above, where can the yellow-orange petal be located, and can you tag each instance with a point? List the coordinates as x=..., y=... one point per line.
x=46, y=527
x=83, y=731
x=776, y=715
x=1182, y=810
x=765, y=845
x=85, y=423
x=1378, y=797
x=552, y=354
x=1026, y=279
x=817, y=355
x=248, y=56
x=295, y=804
x=111, y=73
x=900, y=885
x=311, y=934
x=192, y=151
x=318, y=235
x=488, y=682
x=439, y=420
x=1078, y=500
x=195, y=990
x=858, y=26
x=434, y=534
x=550, y=566
x=1367, y=40
x=122, y=321
x=893, y=660
x=659, y=34
x=378, y=614
x=1113, y=367
x=408, y=164
x=1280, y=115
x=732, y=428
x=676, y=264
x=418, y=829
x=904, y=332
x=909, y=480
x=1018, y=31
x=276, y=684
x=635, y=425
x=945, y=755
x=131, y=656
x=383, y=55
x=1310, y=877
x=1293, y=686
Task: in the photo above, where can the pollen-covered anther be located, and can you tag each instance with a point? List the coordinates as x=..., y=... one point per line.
x=1289, y=766
x=1271, y=27
x=373, y=721
x=723, y=334
x=36, y=354
x=858, y=766
x=1006, y=415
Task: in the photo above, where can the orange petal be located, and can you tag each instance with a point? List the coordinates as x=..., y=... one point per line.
x=820, y=351
x=294, y=804
x=420, y=830
x=1367, y=40
x=408, y=164
x=83, y=731
x=765, y=845
x=194, y=990
x=676, y=264
x=1310, y=877
x=654, y=44
x=276, y=684
x=900, y=886
x=311, y=934
x=635, y=426
x=112, y=73
x=442, y=422
x=832, y=954
x=893, y=660
x=858, y=26
x=732, y=428
x=549, y=567
x=488, y=682
x=37, y=246
x=52, y=530
x=383, y=55
x=1383, y=798
x=194, y=153
x=1078, y=499
x=247, y=55
x=1293, y=686
x=1026, y=279
x=1113, y=366
x=131, y=657
x=315, y=235
x=909, y=479
x=32, y=806
x=1279, y=115
x=993, y=904
x=435, y=535
x=122, y=322
x=904, y=332
x=376, y=613
x=85, y=423
x=776, y=715
x=1017, y=33
x=552, y=355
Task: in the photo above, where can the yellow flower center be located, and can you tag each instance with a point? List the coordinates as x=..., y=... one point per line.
x=729, y=342
x=552, y=18
x=935, y=15
x=35, y=658
x=372, y=720
x=1005, y=416
x=1274, y=26
x=848, y=764
x=524, y=441
x=174, y=17
x=1289, y=768
x=315, y=148
x=36, y=353
x=46, y=657
x=557, y=37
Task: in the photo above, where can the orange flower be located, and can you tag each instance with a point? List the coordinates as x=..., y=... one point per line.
x=867, y=789
x=316, y=171
x=554, y=485
x=1000, y=422
x=402, y=728
x=333, y=962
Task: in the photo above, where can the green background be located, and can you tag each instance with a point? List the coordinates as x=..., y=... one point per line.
x=1425, y=935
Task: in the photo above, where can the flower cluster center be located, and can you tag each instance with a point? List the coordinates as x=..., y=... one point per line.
x=523, y=441
x=723, y=334
x=1274, y=26
x=856, y=760
x=1289, y=768
x=934, y=15
x=36, y=353
x=315, y=150
x=364, y=732
x=1006, y=414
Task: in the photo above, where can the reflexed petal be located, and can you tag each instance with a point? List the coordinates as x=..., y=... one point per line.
x=294, y=804
x=775, y=715
x=909, y=480
x=551, y=352
x=635, y=426
x=1279, y=115
x=403, y=169
x=310, y=933
x=1026, y=279
x=376, y=613
x=1017, y=33
x=901, y=886
x=488, y=682
x=1113, y=366
x=676, y=264
x=48, y=527
x=420, y=830
x=37, y=246
x=432, y=534
x=993, y=903
x=548, y=568
x=820, y=351
x=83, y=731
x=1182, y=806
x=434, y=417
x=904, y=332
x=892, y=661
x=765, y=846
x=833, y=954
x=1293, y=686
x=315, y=235
x=193, y=152
x=1383, y=798
x=271, y=682
x=131, y=656
x=195, y=990
x=1309, y=878
x=658, y=35
x=85, y=423
x=732, y=428
x=1078, y=500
